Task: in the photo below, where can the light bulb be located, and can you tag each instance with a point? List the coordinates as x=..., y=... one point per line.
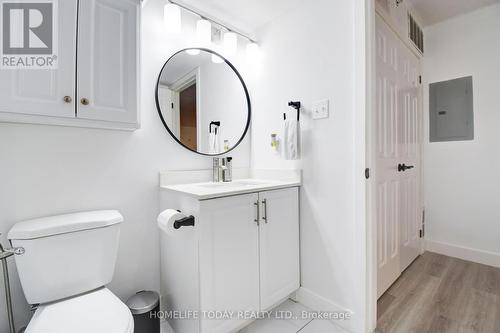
x=252, y=50
x=216, y=59
x=203, y=33
x=172, y=18
x=230, y=43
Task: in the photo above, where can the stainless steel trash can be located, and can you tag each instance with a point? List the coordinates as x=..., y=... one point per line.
x=144, y=306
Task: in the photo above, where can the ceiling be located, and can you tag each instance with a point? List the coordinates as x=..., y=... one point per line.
x=243, y=15
x=434, y=11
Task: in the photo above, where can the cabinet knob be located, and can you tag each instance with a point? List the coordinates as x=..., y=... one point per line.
x=67, y=99
x=84, y=101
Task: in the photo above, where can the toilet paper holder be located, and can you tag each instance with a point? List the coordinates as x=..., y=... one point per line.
x=184, y=222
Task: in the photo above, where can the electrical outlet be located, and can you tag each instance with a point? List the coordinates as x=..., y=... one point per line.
x=321, y=109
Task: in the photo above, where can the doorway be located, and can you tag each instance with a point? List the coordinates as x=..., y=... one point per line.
x=188, y=117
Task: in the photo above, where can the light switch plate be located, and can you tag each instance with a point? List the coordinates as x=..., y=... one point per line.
x=321, y=109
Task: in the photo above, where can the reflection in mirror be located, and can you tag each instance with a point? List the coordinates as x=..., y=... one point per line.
x=203, y=104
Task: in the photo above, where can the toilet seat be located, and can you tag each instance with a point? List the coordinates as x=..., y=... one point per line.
x=99, y=311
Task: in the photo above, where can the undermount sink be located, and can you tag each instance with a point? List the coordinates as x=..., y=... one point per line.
x=235, y=183
x=205, y=190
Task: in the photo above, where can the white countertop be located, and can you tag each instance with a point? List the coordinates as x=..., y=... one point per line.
x=260, y=181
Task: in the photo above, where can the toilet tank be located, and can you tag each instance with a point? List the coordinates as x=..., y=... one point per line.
x=66, y=255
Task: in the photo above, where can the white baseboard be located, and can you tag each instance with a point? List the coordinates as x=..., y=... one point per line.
x=320, y=304
x=465, y=253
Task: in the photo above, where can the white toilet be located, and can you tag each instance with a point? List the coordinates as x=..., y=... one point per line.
x=67, y=261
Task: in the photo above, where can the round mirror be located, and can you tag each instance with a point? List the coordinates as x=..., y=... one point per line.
x=203, y=101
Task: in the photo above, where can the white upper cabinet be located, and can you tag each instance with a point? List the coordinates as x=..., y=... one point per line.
x=42, y=92
x=96, y=83
x=108, y=56
x=279, y=245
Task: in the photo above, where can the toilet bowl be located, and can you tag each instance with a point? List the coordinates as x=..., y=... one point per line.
x=98, y=312
x=64, y=262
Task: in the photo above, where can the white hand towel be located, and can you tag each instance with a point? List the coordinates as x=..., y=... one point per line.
x=217, y=141
x=213, y=142
x=291, y=135
x=212, y=138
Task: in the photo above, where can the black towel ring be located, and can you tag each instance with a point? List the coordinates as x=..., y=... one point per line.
x=213, y=123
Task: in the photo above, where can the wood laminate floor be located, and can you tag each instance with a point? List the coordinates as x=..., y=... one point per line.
x=439, y=294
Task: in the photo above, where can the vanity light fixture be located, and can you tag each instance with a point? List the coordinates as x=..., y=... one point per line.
x=172, y=18
x=204, y=31
x=252, y=50
x=230, y=43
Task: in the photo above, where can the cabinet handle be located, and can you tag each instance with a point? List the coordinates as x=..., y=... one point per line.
x=264, y=203
x=85, y=101
x=67, y=99
x=257, y=220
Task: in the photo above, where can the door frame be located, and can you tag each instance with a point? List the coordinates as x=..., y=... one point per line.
x=370, y=132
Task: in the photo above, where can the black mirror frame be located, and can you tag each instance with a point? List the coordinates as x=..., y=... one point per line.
x=249, y=105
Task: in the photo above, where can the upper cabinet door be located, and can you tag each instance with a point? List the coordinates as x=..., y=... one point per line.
x=279, y=245
x=108, y=60
x=229, y=259
x=28, y=92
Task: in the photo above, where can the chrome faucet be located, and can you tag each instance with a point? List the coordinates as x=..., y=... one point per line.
x=222, y=170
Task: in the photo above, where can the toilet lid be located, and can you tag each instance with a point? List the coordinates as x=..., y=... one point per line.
x=98, y=312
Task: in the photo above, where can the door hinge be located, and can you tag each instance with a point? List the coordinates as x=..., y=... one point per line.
x=420, y=79
x=367, y=173
x=172, y=105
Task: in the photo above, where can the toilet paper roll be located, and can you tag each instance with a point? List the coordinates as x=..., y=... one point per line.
x=166, y=221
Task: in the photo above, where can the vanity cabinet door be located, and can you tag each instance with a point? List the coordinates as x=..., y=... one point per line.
x=26, y=93
x=229, y=259
x=279, y=245
x=108, y=60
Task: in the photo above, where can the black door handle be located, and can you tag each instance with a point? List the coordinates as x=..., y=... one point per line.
x=403, y=167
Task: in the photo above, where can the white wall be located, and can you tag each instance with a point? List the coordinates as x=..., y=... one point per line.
x=309, y=55
x=461, y=185
x=46, y=170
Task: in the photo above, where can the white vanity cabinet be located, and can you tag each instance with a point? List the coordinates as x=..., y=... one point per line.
x=278, y=245
x=247, y=257
x=96, y=83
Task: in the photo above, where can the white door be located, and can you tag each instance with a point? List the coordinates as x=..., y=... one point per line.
x=397, y=127
x=229, y=259
x=43, y=91
x=108, y=60
x=279, y=245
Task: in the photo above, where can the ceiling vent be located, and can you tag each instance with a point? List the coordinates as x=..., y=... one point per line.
x=415, y=33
